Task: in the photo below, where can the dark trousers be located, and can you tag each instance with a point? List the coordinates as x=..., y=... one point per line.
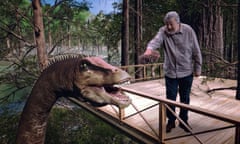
x=183, y=85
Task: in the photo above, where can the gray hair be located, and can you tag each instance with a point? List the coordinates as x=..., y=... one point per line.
x=172, y=14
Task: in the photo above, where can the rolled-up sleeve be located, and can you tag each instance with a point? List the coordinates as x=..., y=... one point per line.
x=157, y=41
x=197, y=56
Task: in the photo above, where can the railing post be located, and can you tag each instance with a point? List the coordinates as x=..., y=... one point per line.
x=161, y=70
x=144, y=72
x=237, y=134
x=162, y=122
x=121, y=114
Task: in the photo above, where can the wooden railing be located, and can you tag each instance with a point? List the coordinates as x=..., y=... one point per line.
x=144, y=71
x=154, y=71
x=164, y=104
x=159, y=136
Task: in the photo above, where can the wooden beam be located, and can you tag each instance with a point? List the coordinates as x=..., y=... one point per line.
x=121, y=125
x=182, y=122
x=198, y=133
x=237, y=134
x=162, y=122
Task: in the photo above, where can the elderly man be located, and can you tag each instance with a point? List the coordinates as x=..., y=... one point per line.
x=182, y=61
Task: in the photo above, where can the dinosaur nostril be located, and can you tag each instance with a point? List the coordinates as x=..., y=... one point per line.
x=89, y=72
x=115, y=70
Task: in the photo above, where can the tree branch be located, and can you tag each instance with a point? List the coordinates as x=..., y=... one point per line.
x=19, y=37
x=53, y=48
x=5, y=98
x=225, y=88
x=220, y=58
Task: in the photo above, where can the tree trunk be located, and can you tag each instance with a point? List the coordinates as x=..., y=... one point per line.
x=39, y=34
x=138, y=35
x=69, y=37
x=49, y=39
x=49, y=36
x=20, y=44
x=229, y=23
x=238, y=71
x=233, y=35
x=212, y=34
x=218, y=29
x=8, y=45
x=232, y=44
x=125, y=34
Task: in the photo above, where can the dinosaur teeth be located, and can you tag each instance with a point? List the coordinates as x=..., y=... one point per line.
x=125, y=83
x=122, y=84
x=117, y=86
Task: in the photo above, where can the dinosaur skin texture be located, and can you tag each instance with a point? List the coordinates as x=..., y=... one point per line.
x=88, y=79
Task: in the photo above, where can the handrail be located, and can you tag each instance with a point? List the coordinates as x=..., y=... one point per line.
x=199, y=110
x=144, y=71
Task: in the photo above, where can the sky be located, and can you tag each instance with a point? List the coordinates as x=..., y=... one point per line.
x=104, y=5
x=97, y=5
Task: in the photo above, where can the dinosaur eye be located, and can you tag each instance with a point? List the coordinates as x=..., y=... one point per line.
x=84, y=66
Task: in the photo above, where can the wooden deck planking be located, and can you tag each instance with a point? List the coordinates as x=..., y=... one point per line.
x=220, y=101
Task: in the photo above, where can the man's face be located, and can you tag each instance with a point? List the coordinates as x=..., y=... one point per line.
x=172, y=25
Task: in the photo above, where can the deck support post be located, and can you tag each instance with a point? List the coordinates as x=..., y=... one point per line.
x=162, y=122
x=237, y=134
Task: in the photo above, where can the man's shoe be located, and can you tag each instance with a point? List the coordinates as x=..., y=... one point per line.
x=185, y=128
x=169, y=127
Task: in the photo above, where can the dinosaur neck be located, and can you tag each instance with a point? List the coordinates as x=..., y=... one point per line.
x=47, y=89
x=33, y=122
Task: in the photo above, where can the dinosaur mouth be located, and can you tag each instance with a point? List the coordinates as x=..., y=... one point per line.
x=101, y=95
x=117, y=94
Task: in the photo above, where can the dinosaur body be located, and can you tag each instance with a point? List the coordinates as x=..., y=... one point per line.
x=89, y=79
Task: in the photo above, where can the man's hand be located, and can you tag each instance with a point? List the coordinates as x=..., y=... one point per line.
x=197, y=74
x=148, y=52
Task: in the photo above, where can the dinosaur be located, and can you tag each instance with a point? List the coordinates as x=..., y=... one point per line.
x=88, y=79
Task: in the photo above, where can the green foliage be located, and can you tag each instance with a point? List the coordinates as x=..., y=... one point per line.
x=17, y=79
x=65, y=127
x=108, y=28
x=65, y=21
x=14, y=18
x=8, y=124
x=12, y=94
x=79, y=127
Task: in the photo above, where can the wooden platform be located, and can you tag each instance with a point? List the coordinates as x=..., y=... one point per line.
x=148, y=120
